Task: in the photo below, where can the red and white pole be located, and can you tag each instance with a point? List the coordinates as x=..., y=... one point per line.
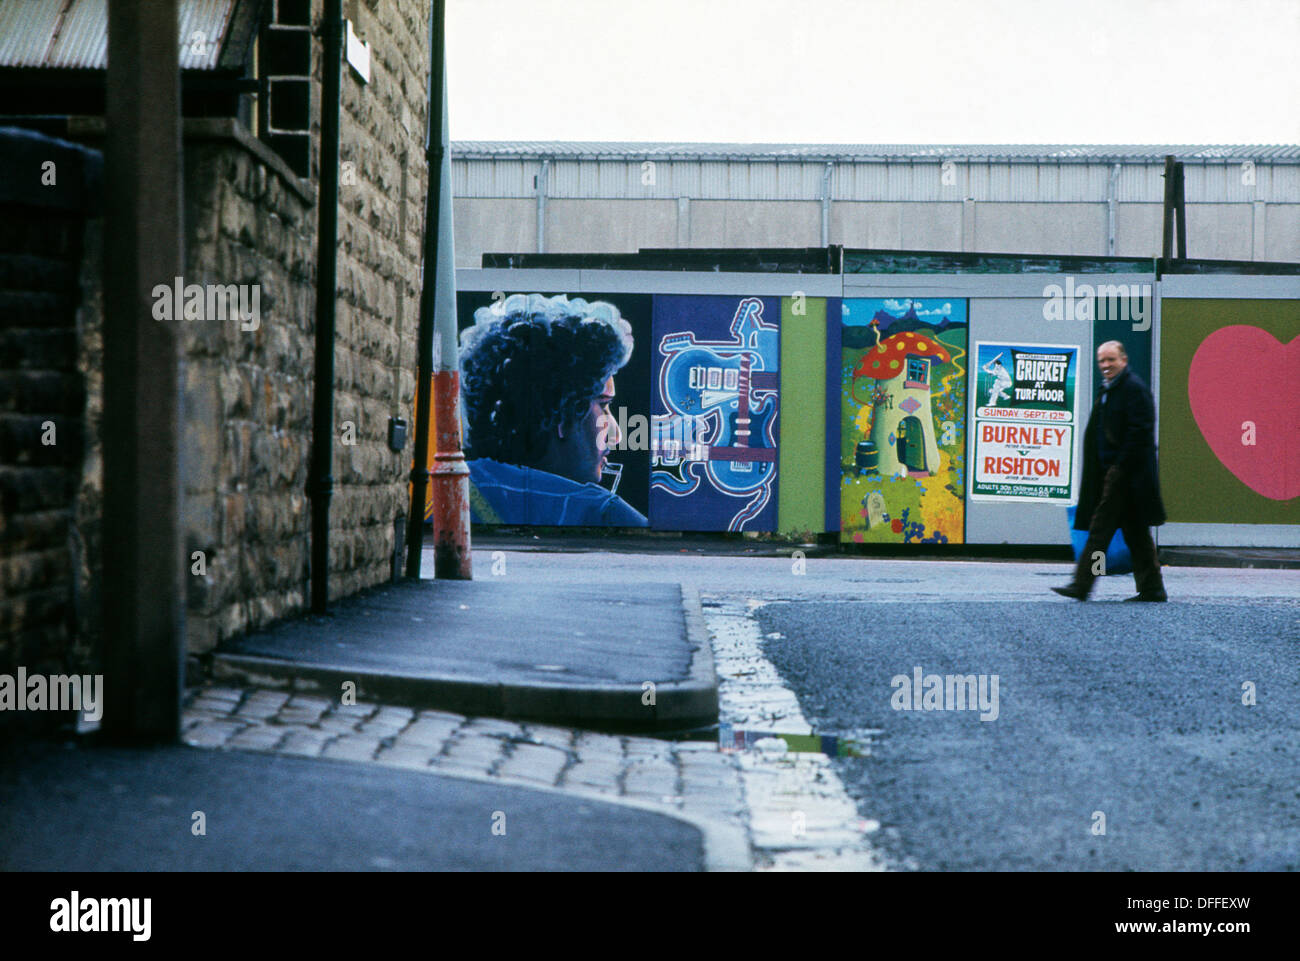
x=444, y=475
x=449, y=475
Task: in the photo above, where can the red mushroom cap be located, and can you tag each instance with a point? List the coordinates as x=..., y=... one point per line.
x=888, y=360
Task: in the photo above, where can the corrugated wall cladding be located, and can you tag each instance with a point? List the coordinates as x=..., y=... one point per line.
x=954, y=180
x=493, y=178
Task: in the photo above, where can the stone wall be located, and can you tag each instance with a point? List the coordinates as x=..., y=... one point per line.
x=248, y=393
x=247, y=385
x=49, y=519
x=381, y=223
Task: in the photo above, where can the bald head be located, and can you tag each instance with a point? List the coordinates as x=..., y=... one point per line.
x=1111, y=359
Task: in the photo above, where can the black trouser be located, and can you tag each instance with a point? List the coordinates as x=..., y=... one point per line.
x=1115, y=511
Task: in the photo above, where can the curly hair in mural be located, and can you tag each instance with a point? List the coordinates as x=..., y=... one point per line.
x=537, y=379
x=531, y=364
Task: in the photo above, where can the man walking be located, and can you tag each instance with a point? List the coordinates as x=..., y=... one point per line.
x=1120, y=487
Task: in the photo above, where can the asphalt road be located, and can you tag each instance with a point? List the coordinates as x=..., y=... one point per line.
x=1129, y=711
x=1134, y=711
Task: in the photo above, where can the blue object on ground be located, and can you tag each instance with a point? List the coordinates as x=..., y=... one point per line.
x=1118, y=560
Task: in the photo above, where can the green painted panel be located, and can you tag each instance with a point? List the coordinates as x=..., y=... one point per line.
x=1246, y=379
x=801, y=495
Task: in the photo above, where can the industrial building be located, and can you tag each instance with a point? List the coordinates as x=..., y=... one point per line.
x=1243, y=202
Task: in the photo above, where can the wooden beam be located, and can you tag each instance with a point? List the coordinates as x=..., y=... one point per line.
x=144, y=633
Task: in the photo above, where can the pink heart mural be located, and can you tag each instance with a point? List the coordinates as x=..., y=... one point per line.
x=1244, y=374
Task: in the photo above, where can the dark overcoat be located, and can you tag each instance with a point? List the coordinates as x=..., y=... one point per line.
x=1128, y=417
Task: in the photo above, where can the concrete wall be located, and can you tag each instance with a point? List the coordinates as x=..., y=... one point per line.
x=754, y=223
x=897, y=226
x=1221, y=231
x=1281, y=229
x=492, y=225
x=1039, y=228
x=623, y=226
x=1137, y=230
x=1228, y=231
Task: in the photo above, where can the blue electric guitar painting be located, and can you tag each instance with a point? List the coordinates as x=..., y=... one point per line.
x=719, y=428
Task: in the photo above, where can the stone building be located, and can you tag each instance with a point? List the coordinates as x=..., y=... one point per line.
x=250, y=92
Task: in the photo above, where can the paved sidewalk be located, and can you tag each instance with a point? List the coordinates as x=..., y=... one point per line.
x=591, y=655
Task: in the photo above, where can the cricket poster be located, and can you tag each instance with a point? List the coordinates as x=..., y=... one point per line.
x=1025, y=418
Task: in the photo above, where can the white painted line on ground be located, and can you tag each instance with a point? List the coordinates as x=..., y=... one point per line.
x=801, y=818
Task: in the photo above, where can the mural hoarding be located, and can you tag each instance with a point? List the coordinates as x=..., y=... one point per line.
x=525, y=378
x=715, y=405
x=903, y=413
x=1025, y=417
x=1229, y=403
x=801, y=466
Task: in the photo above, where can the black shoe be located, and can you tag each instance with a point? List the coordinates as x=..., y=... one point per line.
x=1153, y=598
x=1072, y=590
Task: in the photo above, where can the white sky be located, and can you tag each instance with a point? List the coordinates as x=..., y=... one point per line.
x=875, y=71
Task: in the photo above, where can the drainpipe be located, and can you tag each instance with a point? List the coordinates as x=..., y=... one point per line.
x=542, y=176
x=1112, y=201
x=826, y=203
x=321, y=484
x=449, y=475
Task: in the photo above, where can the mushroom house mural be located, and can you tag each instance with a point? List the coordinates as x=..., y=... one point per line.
x=903, y=417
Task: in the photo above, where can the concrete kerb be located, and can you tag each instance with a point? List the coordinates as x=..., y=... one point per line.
x=678, y=705
x=1282, y=559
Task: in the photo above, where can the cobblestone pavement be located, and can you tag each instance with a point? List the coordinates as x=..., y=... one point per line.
x=788, y=808
x=689, y=778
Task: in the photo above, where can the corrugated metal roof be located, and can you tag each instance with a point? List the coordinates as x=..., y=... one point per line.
x=1063, y=153
x=1025, y=180
x=203, y=32
x=25, y=32
x=74, y=33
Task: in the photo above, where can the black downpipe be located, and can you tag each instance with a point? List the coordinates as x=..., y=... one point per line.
x=429, y=286
x=321, y=485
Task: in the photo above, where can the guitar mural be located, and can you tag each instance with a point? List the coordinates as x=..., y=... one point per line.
x=714, y=430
